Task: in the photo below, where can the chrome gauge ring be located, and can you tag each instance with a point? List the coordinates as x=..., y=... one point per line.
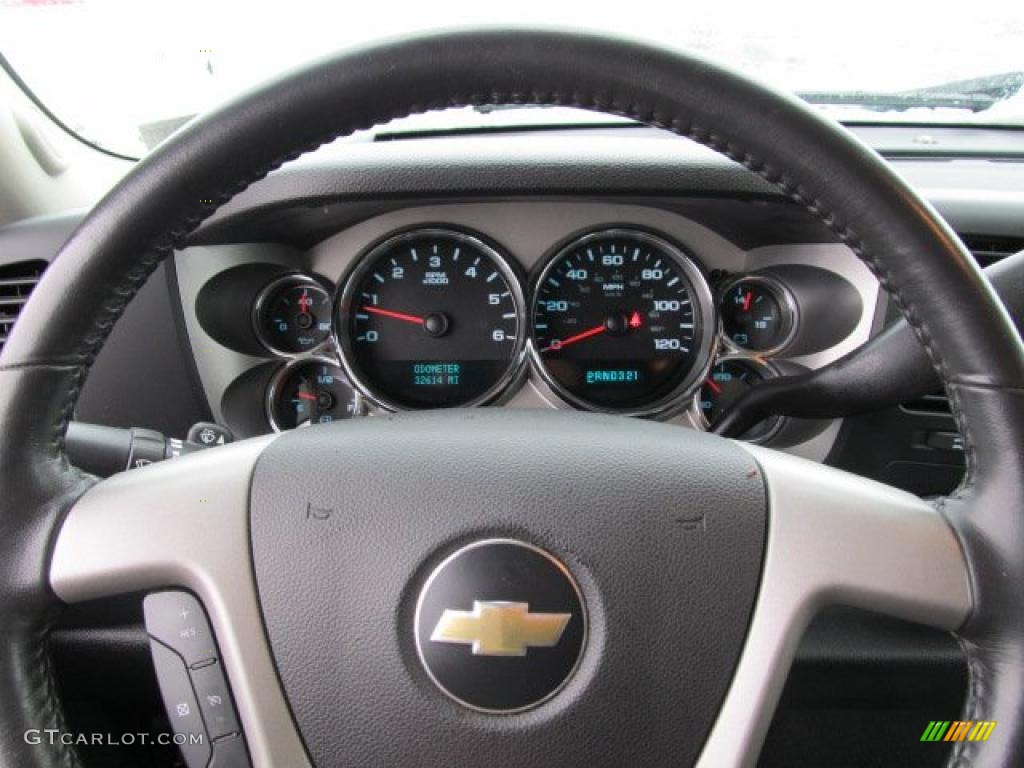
x=622, y=321
x=431, y=318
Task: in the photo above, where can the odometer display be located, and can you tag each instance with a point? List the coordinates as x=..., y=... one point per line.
x=431, y=319
x=622, y=321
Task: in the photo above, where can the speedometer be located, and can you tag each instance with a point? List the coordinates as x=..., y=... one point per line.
x=622, y=321
x=431, y=318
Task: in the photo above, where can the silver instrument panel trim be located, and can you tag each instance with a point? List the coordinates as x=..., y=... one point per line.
x=833, y=539
x=185, y=523
x=526, y=230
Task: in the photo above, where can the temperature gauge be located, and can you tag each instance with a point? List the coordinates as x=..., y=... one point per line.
x=725, y=383
x=310, y=391
x=293, y=315
x=758, y=314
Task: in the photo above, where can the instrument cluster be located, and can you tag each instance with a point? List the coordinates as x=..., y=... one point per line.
x=616, y=320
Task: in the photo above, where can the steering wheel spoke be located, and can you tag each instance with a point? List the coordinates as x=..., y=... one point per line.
x=185, y=523
x=833, y=539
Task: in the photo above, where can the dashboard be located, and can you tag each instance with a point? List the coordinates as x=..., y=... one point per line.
x=602, y=306
x=255, y=323
x=198, y=343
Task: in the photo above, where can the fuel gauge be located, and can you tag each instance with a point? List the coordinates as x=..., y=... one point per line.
x=310, y=391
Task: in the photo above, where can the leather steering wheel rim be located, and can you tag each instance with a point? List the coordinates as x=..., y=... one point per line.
x=975, y=349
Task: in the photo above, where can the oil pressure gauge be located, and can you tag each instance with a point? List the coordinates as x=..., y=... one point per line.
x=293, y=315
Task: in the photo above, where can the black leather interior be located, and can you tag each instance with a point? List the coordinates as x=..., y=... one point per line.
x=890, y=369
x=976, y=351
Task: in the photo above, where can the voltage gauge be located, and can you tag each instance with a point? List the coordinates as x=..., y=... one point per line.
x=758, y=314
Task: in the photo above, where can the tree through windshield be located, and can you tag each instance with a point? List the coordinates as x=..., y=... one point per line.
x=126, y=74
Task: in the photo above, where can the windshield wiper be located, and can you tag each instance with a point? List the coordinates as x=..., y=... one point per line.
x=974, y=95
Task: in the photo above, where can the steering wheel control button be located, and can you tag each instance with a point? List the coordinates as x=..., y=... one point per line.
x=230, y=753
x=500, y=626
x=178, y=621
x=192, y=682
x=215, y=700
x=181, y=705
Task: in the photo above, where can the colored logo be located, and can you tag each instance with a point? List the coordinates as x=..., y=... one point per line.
x=500, y=626
x=958, y=730
x=496, y=628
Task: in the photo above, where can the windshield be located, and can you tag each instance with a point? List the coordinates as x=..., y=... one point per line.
x=126, y=74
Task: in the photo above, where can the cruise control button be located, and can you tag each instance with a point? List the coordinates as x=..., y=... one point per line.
x=215, y=701
x=177, y=620
x=182, y=708
x=230, y=753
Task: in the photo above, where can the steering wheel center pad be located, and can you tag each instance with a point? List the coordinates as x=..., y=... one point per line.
x=663, y=529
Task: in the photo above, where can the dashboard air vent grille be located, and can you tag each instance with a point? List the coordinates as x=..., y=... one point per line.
x=16, y=283
x=934, y=405
x=988, y=250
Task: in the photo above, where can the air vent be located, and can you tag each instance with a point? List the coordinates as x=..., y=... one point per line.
x=16, y=283
x=988, y=250
x=932, y=405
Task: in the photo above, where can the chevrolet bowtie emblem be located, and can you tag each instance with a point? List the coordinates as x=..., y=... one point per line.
x=498, y=628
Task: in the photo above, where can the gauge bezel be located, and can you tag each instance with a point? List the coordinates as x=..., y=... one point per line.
x=267, y=291
x=286, y=369
x=768, y=371
x=787, y=304
x=674, y=402
x=360, y=267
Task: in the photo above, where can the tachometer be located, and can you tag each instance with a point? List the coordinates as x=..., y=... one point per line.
x=622, y=321
x=431, y=318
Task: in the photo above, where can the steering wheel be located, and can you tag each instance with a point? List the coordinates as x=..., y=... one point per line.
x=688, y=565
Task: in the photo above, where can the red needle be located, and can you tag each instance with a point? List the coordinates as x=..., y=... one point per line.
x=746, y=301
x=394, y=315
x=307, y=396
x=714, y=387
x=556, y=344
